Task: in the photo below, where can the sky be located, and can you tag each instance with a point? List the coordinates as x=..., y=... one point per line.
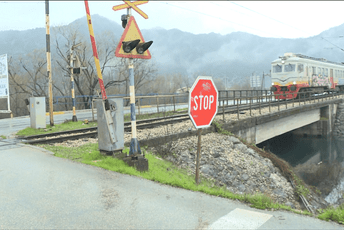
x=278, y=19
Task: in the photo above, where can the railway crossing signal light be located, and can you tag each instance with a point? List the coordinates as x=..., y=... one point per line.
x=130, y=45
x=124, y=19
x=76, y=70
x=142, y=47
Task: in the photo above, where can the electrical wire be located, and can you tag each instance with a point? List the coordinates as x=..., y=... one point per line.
x=219, y=18
x=270, y=17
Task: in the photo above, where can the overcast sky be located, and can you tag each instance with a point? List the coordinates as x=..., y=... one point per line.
x=287, y=19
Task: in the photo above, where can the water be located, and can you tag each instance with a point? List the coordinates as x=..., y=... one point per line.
x=318, y=160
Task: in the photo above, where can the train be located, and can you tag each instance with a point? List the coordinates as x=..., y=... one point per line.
x=298, y=76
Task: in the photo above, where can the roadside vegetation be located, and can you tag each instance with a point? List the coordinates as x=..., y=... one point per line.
x=3, y=137
x=165, y=172
x=68, y=125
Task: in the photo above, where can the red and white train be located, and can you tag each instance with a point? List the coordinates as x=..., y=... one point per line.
x=292, y=74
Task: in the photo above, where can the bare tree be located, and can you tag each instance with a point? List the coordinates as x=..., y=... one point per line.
x=87, y=82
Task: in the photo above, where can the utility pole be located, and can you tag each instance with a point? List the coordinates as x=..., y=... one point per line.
x=71, y=67
x=51, y=109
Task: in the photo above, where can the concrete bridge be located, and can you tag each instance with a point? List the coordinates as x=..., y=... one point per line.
x=316, y=119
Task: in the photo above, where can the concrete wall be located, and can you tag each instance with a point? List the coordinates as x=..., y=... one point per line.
x=311, y=119
x=275, y=128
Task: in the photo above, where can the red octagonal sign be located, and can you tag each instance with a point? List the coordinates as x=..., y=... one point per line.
x=203, y=102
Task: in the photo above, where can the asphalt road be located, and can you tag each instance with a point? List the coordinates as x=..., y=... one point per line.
x=38, y=190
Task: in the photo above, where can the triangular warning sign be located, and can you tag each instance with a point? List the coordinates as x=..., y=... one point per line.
x=131, y=32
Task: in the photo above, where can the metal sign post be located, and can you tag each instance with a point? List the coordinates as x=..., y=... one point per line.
x=203, y=102
x=199, y=134
x=132, y=45
x=71, y=67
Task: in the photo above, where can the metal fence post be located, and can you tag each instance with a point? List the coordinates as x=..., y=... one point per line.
x=238, y=109
x=157, y=103
x=174, y=103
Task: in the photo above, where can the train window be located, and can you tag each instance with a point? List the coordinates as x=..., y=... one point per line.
x=326, y=72
x=289, y=68
x=277, y=68
x=300, y=67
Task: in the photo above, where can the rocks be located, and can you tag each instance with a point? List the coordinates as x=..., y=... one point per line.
x=230, y=163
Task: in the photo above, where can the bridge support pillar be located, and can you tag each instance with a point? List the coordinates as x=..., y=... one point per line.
x=324, y=126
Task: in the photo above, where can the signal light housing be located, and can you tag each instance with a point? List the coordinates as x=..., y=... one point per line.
x=130, y=45
x=142, y=47
x=76, y=70
x=124, y=19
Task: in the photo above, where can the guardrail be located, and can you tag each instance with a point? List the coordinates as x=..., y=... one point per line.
x=227, y=99
x=267, y=99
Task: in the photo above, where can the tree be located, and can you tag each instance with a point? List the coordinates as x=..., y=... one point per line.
x=87, y=81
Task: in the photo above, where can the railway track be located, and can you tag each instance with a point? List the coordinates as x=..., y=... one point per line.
x=148, y=123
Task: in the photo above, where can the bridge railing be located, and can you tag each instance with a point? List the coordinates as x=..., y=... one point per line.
x=239, y=101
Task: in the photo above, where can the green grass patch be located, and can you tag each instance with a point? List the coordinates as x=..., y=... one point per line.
x=334, y=214
x=164, y=172
x=70, y=125
x=3, y=137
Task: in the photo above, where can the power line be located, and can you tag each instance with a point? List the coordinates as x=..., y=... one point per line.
x=269, y=17
x=219, y=18
x=228, y=9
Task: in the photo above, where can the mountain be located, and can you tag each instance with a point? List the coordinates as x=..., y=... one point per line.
x=234, y=55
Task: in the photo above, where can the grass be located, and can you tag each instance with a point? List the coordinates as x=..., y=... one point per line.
x=165, y=172
x=335, y=214
x=56, y=128
x=3, y=137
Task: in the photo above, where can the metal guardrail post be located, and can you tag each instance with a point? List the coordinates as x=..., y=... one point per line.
x=92, y=111
x=240, y=97
x=174, y=103
x=286, y=102
x=238, y=110
x=250, y=106
x=270, y=103
x=223, y=110
x=139, y=105
x=157, y=103
x=278, y=103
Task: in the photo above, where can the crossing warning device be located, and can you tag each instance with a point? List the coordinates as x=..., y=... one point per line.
x=129, y=4
x=132, y=44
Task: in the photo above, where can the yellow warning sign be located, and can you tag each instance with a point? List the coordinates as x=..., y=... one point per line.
x=131, y=33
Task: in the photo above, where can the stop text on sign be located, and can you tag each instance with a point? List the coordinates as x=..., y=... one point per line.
x=203, y=102
x=207, y=101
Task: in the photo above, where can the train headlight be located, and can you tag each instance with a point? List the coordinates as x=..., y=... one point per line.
x=273, y=89
x=292, y=88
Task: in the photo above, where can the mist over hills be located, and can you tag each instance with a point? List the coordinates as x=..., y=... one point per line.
x=235, y=55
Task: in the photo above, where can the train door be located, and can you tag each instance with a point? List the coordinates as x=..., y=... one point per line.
x=331, y=79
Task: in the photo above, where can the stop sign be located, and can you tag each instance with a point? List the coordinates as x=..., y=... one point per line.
x=203, y=102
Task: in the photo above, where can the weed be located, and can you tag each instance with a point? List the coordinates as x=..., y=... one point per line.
x=67, y=125
x=3, y=137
